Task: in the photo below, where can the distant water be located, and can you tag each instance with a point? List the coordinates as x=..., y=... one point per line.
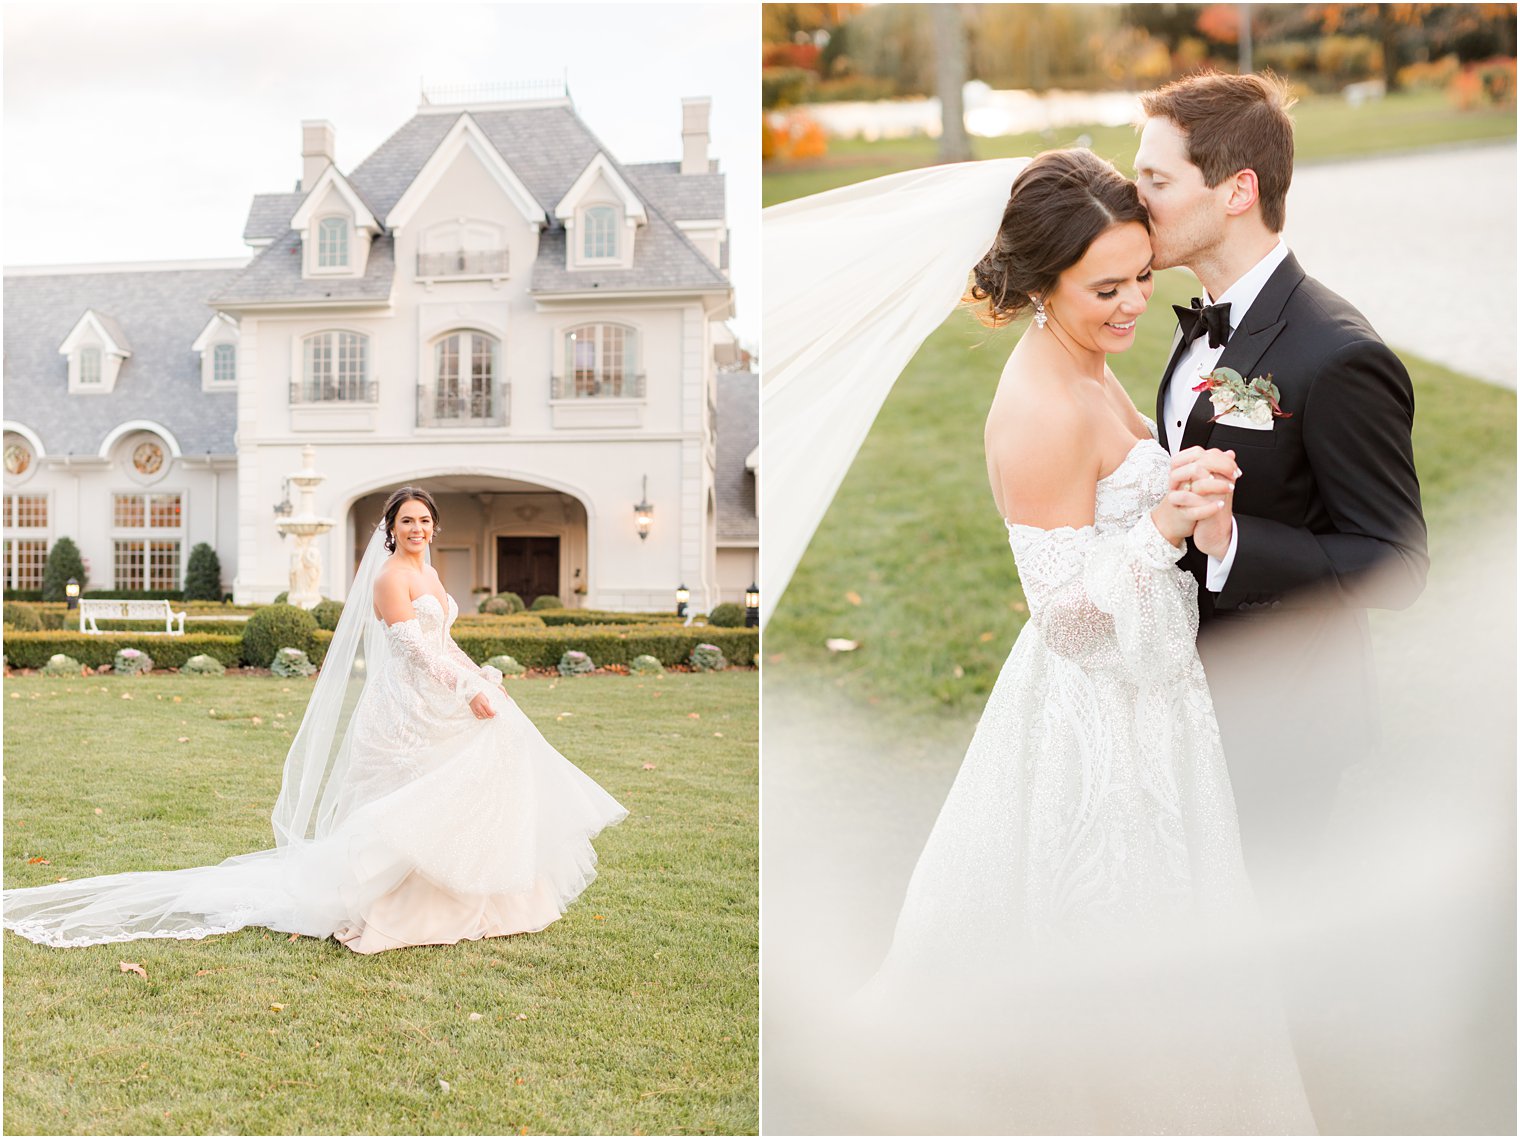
x=989, y=113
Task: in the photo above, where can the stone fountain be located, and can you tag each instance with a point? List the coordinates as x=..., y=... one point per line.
x=304, y=525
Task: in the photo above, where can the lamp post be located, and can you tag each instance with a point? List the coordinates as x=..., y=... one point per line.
x=71, y=593
x=683, y=595
x=643, y=512
x=752, y=606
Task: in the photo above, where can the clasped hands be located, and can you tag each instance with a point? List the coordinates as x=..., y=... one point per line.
x=1199, y=501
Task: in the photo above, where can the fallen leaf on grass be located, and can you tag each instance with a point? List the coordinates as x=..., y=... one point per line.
x=718, y=735
x=985, y=637
x=257, y=720
x=693, y=715
x=184, y=739
x=521, y=1016
x=840, y=645
x=443, y=1085
x=126, y=696
x=276, y=1008
x=649, y=767
x=476, y=1016
x=852, y=597
x=133, y=967
x=38, y=862
x=179, y=699
x=294, y=937
x=203, y=972
x=65, y=878
x=98, y=811
x=598, y=917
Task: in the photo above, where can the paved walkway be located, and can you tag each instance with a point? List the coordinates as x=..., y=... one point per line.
x=1424, y=245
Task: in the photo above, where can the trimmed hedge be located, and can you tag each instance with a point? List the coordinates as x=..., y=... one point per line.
x=219, y=628
x=31, y=650
x=671, y=644
x=727, y=615
x=603, y=617
x=498, y=621
x=273, y=628
x=22, y=617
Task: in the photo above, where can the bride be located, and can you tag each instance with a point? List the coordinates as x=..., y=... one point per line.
x=1072, y=953
x=419, y=806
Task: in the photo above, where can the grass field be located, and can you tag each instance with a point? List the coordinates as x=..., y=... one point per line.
x=914, y=536
x=635, y=1014
x=1327, y=128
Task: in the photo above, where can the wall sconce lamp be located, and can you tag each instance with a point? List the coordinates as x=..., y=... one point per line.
x=643, y=512
x=683, y=595
x=752, y=607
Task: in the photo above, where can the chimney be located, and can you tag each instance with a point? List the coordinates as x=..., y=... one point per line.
x=694, y=135
x=318, y=142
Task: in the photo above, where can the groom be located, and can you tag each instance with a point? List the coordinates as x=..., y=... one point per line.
x=1324, y=521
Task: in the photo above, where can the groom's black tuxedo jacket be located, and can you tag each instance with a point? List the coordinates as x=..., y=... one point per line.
x=1328, y=523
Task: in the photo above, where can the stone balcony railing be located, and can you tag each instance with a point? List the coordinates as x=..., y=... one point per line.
x=463, y=263
x=598, y=387
x=483, y=407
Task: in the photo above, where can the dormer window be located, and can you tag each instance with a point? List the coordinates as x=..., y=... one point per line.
x=89, y=366
x=224, y=364
x=332, y=243
x=601, y=238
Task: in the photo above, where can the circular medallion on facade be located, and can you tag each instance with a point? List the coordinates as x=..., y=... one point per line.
x=18, y=458
x=148, y=458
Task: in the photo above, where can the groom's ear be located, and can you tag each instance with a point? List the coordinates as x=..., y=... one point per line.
x=1244, y=192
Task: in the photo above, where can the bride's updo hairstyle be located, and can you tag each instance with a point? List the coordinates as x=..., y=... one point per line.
x=393, y=507
x=1058, y=206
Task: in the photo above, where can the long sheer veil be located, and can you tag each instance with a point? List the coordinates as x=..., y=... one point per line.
x=855, y=280
x=318, y=758
x=283, y=887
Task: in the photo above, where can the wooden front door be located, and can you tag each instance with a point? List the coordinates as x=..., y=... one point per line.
x=528, y=567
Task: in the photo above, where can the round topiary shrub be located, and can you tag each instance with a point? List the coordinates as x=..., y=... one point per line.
x=22, y=618
x=202, y=665
x=646, y=665
x=131, y=662
x=575, y=663
x=326, y=614
x=273, y=628
x=60, y=665
x=281, y=598
x=502, y=603
x=291, y=662
x=727, y=616
x=707, y=658
x=507, y=666
x=547, y=601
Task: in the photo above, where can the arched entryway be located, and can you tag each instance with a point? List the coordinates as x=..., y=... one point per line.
x=496, y=535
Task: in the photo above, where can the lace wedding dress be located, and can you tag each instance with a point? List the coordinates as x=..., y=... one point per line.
x=1074, y=949
x=434, y=826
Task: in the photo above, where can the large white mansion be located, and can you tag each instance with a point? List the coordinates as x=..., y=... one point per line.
x=490, y=305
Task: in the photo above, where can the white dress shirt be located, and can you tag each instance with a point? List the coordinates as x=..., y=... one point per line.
x=1198, y=360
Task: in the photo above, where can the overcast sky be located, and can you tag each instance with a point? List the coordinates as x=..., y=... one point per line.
x=139, y=132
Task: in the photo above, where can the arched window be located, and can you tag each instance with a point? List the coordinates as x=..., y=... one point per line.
x=336, y=367
x=465, y=369
x=224, y=364
x=601, y=360
x=601, y=225
x=332, y=243
x=89, y=365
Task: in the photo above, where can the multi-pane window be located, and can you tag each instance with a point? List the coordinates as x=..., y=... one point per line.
x=89, y=365
x=147, y=566
x=224, y=363
x=143, y=562
x=332, y=243
x=600, y=225
x=26, y=552
x=601, y=360
x=465, y=369
x=336, y=368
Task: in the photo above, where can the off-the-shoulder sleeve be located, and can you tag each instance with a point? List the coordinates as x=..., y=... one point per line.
x=490, y=674
x=1090, y=593
x=407, y=641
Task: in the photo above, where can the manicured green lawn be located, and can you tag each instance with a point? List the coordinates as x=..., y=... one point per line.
x=1327, y=128
x=635, y=1014
x=913, y=533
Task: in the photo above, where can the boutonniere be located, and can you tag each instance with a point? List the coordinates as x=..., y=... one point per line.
x=1254, y=400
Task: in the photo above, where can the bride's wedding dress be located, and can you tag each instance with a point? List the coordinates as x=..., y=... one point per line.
x=423, y=825
x=1077, y=933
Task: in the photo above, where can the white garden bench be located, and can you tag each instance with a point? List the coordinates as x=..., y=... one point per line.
x=94, y=609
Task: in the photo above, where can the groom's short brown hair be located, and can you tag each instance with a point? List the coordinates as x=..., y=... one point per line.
x=1234, y=123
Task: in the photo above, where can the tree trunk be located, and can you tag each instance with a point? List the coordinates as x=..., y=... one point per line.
x=949, y=79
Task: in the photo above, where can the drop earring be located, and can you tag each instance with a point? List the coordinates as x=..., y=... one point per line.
x=1039, y=311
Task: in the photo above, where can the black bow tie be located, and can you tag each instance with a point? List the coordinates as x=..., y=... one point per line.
x=1201, y=318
